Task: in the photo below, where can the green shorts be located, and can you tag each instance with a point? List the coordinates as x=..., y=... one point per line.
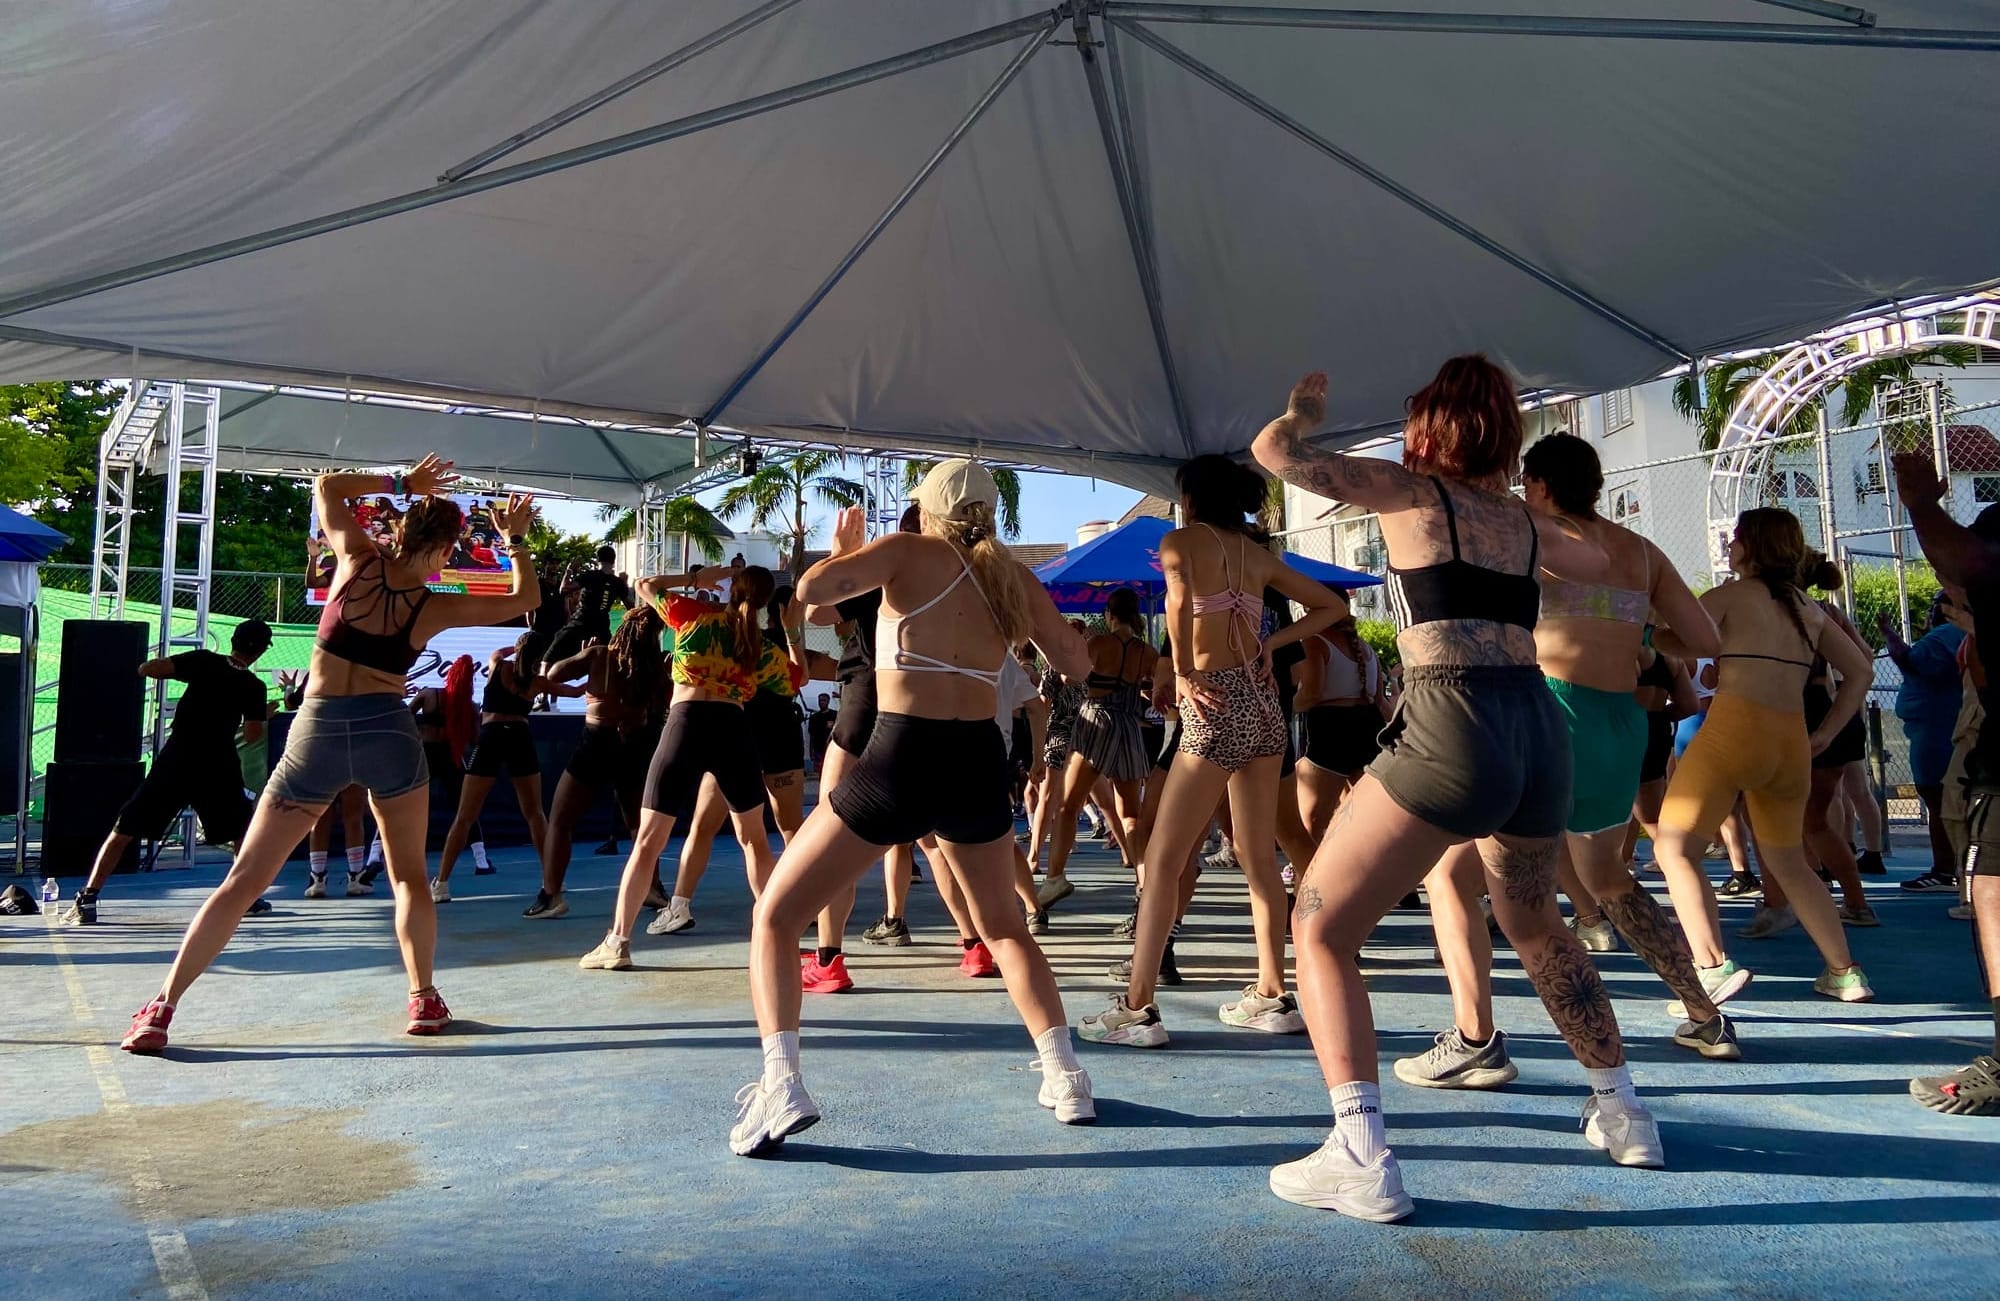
x=1607, y=747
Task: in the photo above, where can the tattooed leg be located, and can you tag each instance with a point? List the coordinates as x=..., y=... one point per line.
x=1522, y=875
x=1640, y=919
x=275, y=831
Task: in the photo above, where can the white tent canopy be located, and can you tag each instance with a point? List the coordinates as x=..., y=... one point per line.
x=296, y=430
x=1095, y=235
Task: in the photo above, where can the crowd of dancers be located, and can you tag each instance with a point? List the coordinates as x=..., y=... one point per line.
x=1547, y=658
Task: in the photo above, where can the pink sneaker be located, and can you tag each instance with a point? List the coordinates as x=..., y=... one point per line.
x=149, y=1027
x=829, y=979
x=978, y=961
x=428, y=1014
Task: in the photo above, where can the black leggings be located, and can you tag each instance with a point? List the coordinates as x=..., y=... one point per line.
x=448, y=773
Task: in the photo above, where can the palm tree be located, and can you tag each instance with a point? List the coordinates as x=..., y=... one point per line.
x=1723, y=382
x=1007, y=481
x=697, y=527
x=778, y=494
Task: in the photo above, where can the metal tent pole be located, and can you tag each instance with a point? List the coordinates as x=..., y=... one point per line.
x=1045, y=27
x=1117, y=151
x=1477, y=24
x=1825, y=9
x=1174, y=54
x=590, y=103
x=562, y=160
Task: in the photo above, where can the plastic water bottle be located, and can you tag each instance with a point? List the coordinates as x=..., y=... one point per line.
x=50, y=890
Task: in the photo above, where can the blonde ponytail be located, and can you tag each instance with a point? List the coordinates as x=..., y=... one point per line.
x=1003, y=579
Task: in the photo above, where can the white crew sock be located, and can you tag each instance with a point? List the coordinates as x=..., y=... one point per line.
x=679, y=903
x=1357, y=1119
x=354, y=860
x=316, y=862
x=1612, y=1086
x=781, y=1056
x=1056, y=1051
x=375, y=851
x=479, y=855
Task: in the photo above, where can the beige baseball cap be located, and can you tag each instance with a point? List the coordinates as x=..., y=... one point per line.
x=952, y=485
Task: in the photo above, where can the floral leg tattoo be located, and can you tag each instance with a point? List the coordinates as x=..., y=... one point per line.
x=1659, y=943
x=1556, y=962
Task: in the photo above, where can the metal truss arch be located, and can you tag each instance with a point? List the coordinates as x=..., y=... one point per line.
x=1801, y=377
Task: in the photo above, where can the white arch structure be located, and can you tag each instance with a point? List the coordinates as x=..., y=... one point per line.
x=1768, y=404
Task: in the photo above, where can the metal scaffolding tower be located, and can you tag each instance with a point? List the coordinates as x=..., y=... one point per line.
x=170, y=429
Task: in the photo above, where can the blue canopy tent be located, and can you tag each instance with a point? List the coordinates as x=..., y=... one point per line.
x=1082, y=580
x=24, y=539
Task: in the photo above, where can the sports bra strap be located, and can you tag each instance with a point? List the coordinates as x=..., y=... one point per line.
x=1450, y=515
x=909, y=661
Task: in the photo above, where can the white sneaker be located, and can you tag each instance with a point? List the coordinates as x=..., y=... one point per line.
x=1068, y=1095
x=479, y=861
x=768, y=1114
x=1333, y=1180
x=1254, y=1011
x=358, y=888
x=1721, y=983
x=1598, y=937
x=609, y=955
x=1629, y=1134
x=1769, y=922
x=1222, y=858
x=440, y=891
x=315, y=885
x=1119, y=1024
x=674, y=917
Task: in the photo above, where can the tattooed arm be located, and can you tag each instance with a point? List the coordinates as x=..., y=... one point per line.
x=1378, y=485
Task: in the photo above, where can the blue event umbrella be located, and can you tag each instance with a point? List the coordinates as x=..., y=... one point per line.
x=1082, y=580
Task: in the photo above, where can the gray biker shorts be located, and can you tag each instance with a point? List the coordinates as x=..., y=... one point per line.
x=340, y=741
x=1478, y=751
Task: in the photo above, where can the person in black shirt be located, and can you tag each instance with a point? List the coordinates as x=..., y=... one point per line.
x=594, y=592
x=1968, y=558
x=198, y=765
x=819, y=731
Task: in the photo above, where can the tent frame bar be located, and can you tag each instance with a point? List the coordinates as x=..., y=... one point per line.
x=1046, y=27
x=1825, y=9
x=1478, y=24
x=591, y=103
x=1118, y=152
x=1173, y=53
x=562, y=160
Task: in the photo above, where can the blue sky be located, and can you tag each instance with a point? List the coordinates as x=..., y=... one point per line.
x=1052, y=505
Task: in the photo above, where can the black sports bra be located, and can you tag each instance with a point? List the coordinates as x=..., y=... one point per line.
x=386, y=652
x=1458, y=589
x=499, y=698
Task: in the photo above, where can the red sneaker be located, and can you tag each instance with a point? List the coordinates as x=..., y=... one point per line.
x=149, y=1027
x=978, y=961
x=428, y=1014
x=828, y=979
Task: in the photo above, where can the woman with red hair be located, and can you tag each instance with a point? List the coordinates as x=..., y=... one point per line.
x=1477, y=751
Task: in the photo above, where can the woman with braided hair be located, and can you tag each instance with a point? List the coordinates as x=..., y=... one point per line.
x=623, y=679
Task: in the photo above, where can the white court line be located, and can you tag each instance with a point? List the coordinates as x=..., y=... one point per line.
x=170, y=1248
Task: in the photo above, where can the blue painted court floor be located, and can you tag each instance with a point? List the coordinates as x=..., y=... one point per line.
x=568, y=1138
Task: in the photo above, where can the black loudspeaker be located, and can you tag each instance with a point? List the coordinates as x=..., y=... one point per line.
x=10, y=732
x=100, y=697
x=80, y=802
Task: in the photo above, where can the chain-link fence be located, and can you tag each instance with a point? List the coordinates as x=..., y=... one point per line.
x=1837, y=482
x=233, y=597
